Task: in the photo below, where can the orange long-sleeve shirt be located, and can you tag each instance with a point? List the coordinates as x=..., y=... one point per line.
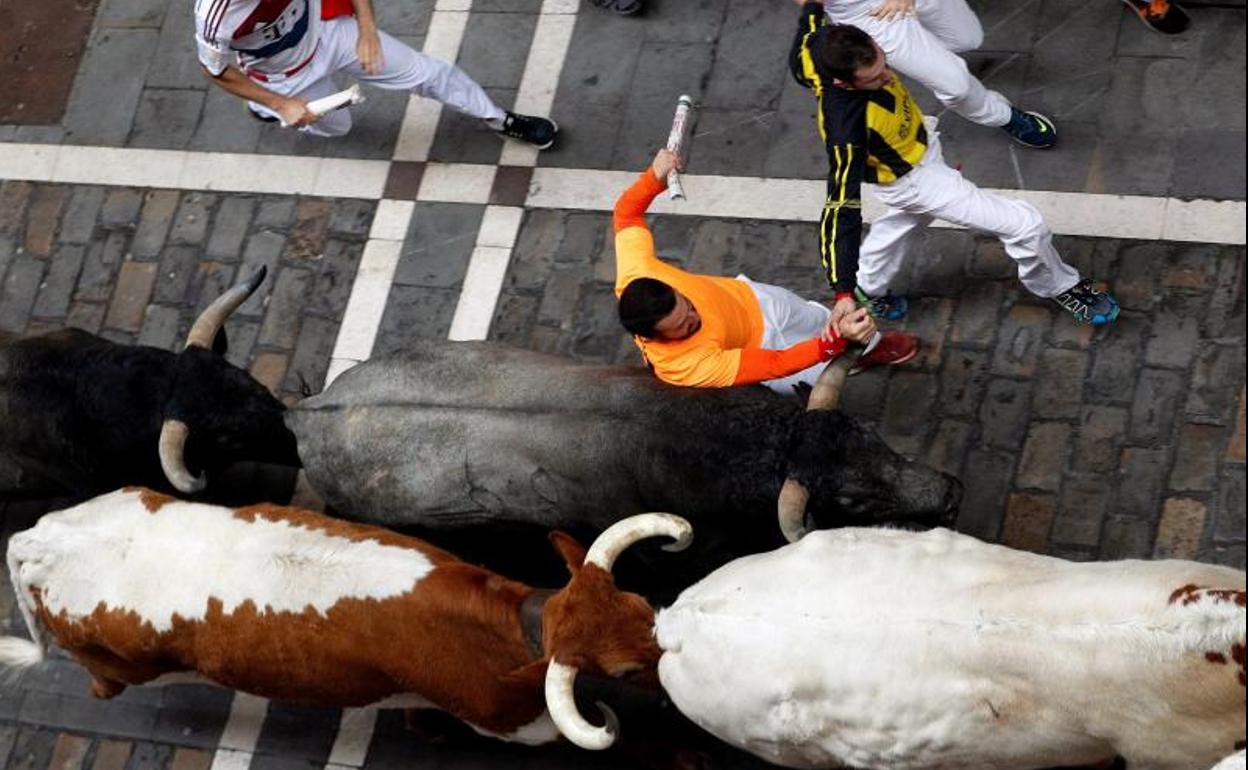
x=726, y=349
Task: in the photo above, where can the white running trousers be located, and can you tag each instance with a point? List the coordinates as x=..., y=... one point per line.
x=932, y=190
x=401, y=69
x=787, y=320
x=925, y=47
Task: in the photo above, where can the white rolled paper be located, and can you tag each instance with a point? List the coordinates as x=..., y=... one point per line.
x=676, y=143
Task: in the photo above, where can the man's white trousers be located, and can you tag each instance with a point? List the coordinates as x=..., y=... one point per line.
x=932, y=190
x=924, y=47
x=401, y=69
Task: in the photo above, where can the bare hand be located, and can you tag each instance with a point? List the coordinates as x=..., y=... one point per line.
x=664, y=162
x=368, y=50
x=294, y=112
x=857, y=326
x=893, y=9
x=843, y=307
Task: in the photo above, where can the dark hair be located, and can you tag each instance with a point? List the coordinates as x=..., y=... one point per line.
x=643, y=303
x=840, y=50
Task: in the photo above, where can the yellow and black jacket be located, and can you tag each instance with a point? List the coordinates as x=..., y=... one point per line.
x=873, y=136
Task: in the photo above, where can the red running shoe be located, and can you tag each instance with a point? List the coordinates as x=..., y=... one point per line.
x=893, y=348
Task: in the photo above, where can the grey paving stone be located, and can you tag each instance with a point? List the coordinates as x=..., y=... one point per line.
x=1196, y=460
x=1192, y=176
x=1149, y=96
x=131, y=13
x=32, y=749
x=78, y=221
x=150, y=756
x=1225, y=314
x=1230, y=555
x=229, y=228
x=1020, y=341
x=744, y=75
x=406, y=20
x=1059, y=383
x=1143, y=478
x=351, y=217
x=1003, y=413
x=948, y=446
x=166, y=118
x=70, y=712
x=190, y=223
x=559, y=300
x=514, y=316
x=439, y=243
x=242, y=335
x=295, y=732
x=374, y=126
x=414, y=311
x=1158, y=397
x=177, y=268
x=1112, y=376
x=1228, y=513
x=1135, y=287
x=160, y=327
x=210, y=281
x=110, y=81
x=121, y=207
x=1044, y=456
x=224, y=125
x=40, y=134
x=263, y=249
x=987, y=475
x=587, y=134
x=175, y=63
x=1126, y=538
x=17, y=296
x=159, y=207
x=793, y=147
x=1100, y=433
x=192, y=715
x=281, y=320
x=8, y=736
x=464, y=139
x=963, y=381
x=495, y=48
x=275, y=213
x=734, y=142
x=1190, y=266
x=58, y=285
x=975, y=321
x=334, y=277
x=1115, y=166
x=911, y=398
x=1213, y=394
x=648, y=115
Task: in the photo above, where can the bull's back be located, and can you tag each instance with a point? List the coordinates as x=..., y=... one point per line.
x=453, y=434
x=935, y=649
x=133, y=574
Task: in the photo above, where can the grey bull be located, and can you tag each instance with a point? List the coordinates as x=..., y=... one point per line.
x=448, y=436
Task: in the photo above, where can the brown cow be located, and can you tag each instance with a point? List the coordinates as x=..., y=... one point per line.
x=292, y=605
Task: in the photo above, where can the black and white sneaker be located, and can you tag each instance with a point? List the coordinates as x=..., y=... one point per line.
x=539, y=132
x=1087, y=304
x=621, y=7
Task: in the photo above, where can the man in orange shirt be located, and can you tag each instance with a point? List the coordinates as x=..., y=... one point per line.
x=708, y=331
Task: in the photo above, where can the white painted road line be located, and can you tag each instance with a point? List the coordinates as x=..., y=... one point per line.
x=242, y=731
x=542, y=70
x=355, y=732
x=1096, y=215
x=442, y=41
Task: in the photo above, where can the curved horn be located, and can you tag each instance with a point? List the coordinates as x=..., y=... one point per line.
x=826, y=393
x=211, y=320
x=562, y=707
x=172, y=446
x=792, y=509
x=620, y=535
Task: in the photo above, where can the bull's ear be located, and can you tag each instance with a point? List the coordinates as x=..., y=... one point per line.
x=529, y=675
x=573, y=553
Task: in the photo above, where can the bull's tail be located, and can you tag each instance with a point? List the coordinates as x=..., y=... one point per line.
x=18, y=654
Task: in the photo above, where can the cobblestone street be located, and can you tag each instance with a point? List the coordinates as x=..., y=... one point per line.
x=132, y=192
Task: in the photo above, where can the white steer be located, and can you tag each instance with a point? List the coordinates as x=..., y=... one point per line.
x=889, y=649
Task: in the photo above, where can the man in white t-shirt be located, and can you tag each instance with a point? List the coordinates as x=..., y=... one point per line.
x=280, y=54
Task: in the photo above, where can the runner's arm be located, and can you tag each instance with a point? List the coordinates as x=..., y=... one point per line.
x=811, y=20
x=293, y=110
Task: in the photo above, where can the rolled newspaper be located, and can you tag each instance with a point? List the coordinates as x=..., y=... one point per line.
x=676, y=143
x=343, y=98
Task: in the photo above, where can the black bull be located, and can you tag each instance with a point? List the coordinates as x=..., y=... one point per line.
x=449, y=436
x=80, y=415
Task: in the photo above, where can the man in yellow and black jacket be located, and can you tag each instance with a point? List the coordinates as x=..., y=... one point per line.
x=874, y=132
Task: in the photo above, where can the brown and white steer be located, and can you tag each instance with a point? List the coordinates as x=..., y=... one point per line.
x=296, y=606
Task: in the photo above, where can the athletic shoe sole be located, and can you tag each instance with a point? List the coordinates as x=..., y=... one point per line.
x=856, y=369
